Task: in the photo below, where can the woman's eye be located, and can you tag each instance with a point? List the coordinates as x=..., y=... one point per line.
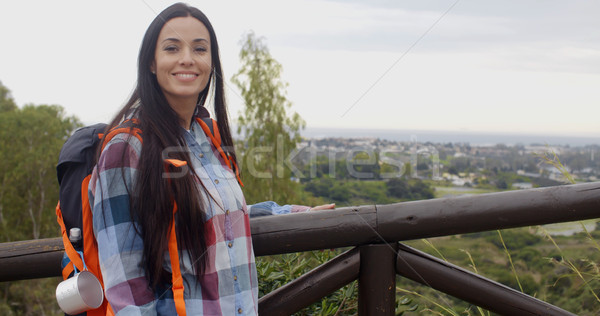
x=200, y=49
x=171, y=48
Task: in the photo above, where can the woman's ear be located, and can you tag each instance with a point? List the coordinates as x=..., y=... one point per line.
x=153, y=68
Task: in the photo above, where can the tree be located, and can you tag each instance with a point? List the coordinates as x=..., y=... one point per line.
x=501, y=184
x=30, y=142
x=30, y=139
x=421, y=190
x=398, y=188
x=413, y=189
x=6, y=101
x=270, y=134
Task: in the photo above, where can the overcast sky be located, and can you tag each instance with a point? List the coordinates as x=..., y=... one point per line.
x=502, y=66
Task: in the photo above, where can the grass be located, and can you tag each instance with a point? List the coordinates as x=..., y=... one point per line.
x=561, y=270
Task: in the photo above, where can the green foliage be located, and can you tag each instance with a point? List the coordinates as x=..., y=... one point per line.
x=405, y=304
x=29, y=298
x=501, y=184
x=357, y=192
x=398, y=188
x=560, y=270
x=413, y=189
x=533, y=259
x=278, y=270
x=30, y=139
x=30, y=142
x=270, y=134
x=460, y=164
x=348, y=192
x=514, y=239
x=7, y=103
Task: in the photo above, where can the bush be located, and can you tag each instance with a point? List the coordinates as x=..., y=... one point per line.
x=528, y=255
x=413, y=189
x=276, y=271
x=514, y=239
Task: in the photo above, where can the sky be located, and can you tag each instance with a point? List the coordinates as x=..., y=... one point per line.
x=477, y=66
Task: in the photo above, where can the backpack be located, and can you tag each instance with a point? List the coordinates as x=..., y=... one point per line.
x=74, y=170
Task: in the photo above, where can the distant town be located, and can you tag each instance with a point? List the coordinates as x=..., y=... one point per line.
x=457, y=164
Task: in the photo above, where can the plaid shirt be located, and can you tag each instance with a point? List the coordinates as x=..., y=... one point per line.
x=229, y=284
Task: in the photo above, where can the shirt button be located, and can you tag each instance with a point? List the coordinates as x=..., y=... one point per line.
x=216, y=181
x=235, y=277
x=239, y=311
x=227, y=212
x=230, y=244
x=200, y=155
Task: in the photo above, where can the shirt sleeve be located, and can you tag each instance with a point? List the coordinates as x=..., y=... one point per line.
x=272, y=208
x=120, y=248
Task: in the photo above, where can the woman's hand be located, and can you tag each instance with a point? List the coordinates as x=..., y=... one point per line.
x=323, y=207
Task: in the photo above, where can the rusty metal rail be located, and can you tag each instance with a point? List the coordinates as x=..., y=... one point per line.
x=375, y=229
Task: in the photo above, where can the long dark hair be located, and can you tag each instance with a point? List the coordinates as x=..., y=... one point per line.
x=151, y=198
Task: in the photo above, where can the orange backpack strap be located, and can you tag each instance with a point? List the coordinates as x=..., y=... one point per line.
x=90, y=246
x=128, y=127
x=176, y=278
x=216, y=140
x=67, y=270
x=69, y=249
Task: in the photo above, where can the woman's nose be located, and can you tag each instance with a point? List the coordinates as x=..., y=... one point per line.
x=187, y=57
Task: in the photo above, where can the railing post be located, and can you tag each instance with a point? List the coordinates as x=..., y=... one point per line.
x=377, y=279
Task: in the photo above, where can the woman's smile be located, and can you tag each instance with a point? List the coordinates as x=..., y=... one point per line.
x=185, y=76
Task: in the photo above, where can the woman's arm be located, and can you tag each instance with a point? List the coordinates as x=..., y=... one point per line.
x=120, y=248
x=272, y=208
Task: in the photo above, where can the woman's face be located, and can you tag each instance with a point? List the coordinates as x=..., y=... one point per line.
x=182, y=62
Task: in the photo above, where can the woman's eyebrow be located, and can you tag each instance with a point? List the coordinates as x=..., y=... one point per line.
x=172, y=39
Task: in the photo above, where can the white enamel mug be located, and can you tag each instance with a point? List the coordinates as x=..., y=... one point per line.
x=80, y=293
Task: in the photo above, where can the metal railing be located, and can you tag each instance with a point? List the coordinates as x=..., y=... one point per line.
x=377, y=257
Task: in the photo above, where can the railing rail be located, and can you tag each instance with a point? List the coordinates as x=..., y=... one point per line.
x=379, y=224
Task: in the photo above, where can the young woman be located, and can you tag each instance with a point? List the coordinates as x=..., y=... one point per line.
x=175, y=166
